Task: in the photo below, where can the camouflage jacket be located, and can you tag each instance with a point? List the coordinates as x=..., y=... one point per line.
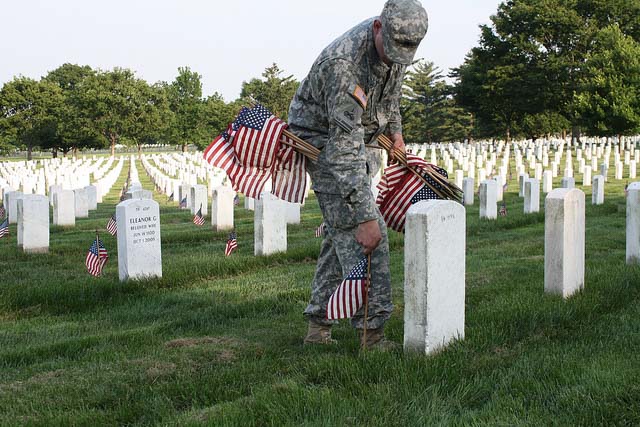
x=348, y=98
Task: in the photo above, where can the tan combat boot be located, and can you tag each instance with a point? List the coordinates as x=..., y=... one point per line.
x=376, y=341
x=319, y=334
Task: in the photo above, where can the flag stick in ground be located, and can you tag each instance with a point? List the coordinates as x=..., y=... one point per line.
x=366, y=303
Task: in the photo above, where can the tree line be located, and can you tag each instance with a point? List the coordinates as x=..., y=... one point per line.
x=75, y=107
x=541, y=68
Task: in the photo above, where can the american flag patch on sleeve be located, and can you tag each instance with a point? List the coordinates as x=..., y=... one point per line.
x=360, y=96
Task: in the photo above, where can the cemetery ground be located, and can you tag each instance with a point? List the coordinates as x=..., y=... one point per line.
x=219, y=340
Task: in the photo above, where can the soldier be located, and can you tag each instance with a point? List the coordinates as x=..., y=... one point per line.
x=351, y=96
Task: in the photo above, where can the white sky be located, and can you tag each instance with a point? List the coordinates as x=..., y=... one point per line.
x=227, y=42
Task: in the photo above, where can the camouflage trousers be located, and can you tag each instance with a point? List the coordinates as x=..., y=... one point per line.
x=339, y=253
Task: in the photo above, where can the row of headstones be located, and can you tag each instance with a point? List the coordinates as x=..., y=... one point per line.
x=434, y=270
x=490, y=193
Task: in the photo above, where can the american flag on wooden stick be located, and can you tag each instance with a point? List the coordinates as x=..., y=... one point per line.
x=198, y=218
x=232, y=244
x=96, y=258
x=3, y=212
x=250, y=153
x=503, y=210
x=4, y=228
x=112, y=225
x=347, y=299
x=399, y=188
x=183, y=203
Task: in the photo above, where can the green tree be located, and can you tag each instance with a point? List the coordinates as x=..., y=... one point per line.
x=28, y=111
x=610, y=100
x=72, y=129
x=429, y=113
x=185, y=101
x=273, y=91
x=108, y=100
x=217, y=116
x=152, y=115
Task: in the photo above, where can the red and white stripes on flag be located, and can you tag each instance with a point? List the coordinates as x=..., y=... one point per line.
x=347, y=299
x=290, y=175
x=96, y=258
x=396, y=188
x=112, y=225
x=250, y=153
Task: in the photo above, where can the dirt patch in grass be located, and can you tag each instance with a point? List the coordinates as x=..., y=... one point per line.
x=193, y=342
x=38, y=379
x=160, y=369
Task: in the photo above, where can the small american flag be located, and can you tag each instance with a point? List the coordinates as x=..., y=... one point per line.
x=347, y=299
x=232, y=244
x=170, y=199
x=183, y=203
x=626, y=189
x=112, y=225
x=503, y=210
x=247, y=149
x=504, y=187
x=4, y=228
x=2, y=211
x=399, y=189
x=198, y=219
x=236, y=200
x=96, y=258
x=320, y=230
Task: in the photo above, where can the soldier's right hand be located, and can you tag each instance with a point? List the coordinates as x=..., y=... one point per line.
x=368, y=235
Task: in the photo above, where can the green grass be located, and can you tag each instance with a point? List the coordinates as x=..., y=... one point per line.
x=219, y=341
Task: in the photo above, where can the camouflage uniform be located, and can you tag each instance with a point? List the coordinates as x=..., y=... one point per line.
x=349, y=97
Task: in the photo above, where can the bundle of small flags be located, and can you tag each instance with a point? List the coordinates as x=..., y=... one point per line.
x=503, y=210
x=232, y=244
x=320, y=230
x=347, y=299
x=183, y=203
x=198, y=219
x=4, y=228
x=96, y=258
x=112, y=225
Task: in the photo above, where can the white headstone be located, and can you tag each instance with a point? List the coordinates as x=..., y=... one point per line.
x=564, y=238
x=547, y=181
x=586, y=177
x=53, y=189
x=568, y=182
x=222, y=208
x=522, y=178
x=468, y=191
x=200, y=199
x=434, y=271
x=92, y=197
x=532, y=196
x=11, y=205
x=33, y=223
x=64, y=212
x=270, y=225
x=633, y=223
x=249, y=203
x=292, y=212
x=81, y=203
x=139, y=250
x=489, y=199
x=597, y=196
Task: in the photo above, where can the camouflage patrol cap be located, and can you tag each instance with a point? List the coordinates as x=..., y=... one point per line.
x=404, y=24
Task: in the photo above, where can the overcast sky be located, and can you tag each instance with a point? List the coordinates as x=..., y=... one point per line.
x=227, y=42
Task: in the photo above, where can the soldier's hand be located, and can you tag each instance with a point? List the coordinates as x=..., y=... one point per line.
x=398, y=146
x=368, y=235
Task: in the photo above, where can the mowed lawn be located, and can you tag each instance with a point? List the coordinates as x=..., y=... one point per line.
x=218, y=340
